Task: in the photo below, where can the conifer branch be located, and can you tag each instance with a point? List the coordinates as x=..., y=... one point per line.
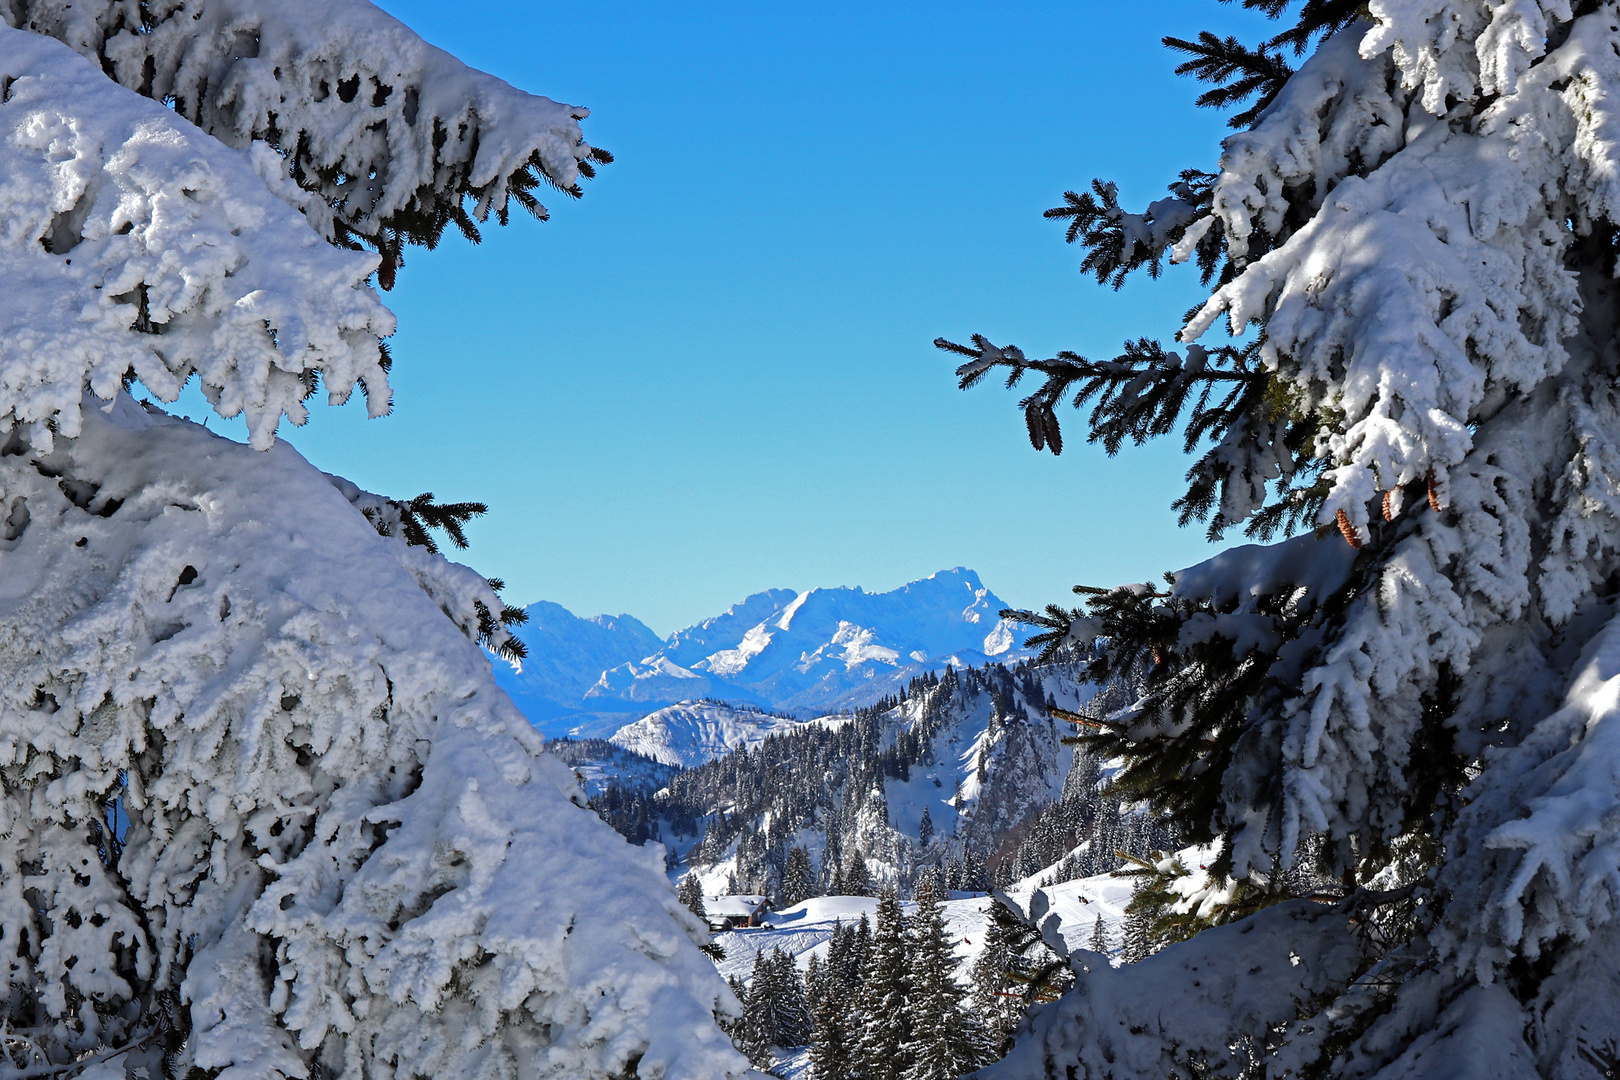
x=422, y=513
x=1222, y=396
x=1119, y=242
x=1055, y=622
x=1317, y=20
x=1238, y=72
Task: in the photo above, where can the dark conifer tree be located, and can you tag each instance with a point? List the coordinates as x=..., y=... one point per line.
x=997, y=998
x=1137, y=944
x=794, y=1024
x=934, y=1048
x=861, y=949
x=1099, y=938
x=756, y=1031
x=691, y=894
x=798, y=877
x=884, y=1033
x=857, y=882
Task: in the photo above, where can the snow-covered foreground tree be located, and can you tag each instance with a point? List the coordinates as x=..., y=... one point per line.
x=1412, y=239
x=263, y=811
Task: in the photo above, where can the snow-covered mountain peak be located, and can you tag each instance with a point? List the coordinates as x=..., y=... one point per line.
x=692, y=732
x=699, y=641
x=810, y=651
x=785, y=621
x=1000, y=639
x=731, y=661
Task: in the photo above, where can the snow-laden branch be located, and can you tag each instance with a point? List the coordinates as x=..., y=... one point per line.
x=344, y=843
x=136, y=246
x=386, y=133
x=1220, y=999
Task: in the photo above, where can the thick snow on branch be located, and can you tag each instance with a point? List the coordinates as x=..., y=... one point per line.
x=1418, y=294
x=136, y=245
x=1451, y=50
x=1334, y=118
x=1212, y=999
x=1428, y=310
x=342, y=843
x=1422, y=225
x=1557, y=801
x=386, y=130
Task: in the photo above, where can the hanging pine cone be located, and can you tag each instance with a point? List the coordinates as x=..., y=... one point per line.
x=1350, y=535
x=1434, y=494
x=1389, y=505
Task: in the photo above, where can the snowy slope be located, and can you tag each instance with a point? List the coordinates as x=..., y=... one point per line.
x=724, y=631
x=806, y=928
x=1070, y=909
x=1069, y=912
x=599, y=763
x=976, y=751
x=656, y=681
x=1025, y=761
x=693, y=732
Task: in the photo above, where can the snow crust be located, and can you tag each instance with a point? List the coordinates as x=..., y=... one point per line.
x=1190, y=1000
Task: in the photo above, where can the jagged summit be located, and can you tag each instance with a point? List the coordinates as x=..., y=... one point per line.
x=806, y=652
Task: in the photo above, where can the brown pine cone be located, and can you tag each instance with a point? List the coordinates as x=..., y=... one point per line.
x=1349, y=530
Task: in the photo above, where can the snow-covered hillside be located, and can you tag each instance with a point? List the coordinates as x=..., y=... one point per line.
x=976, y=753
x=807, y=652
x=1071, y=911
x=692, y=732
x=805, y=928
x=598, y=763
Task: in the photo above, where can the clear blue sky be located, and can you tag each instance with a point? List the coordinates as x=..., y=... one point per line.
x=714, y=374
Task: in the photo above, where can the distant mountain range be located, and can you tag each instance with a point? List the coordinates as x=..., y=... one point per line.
x=805, y=653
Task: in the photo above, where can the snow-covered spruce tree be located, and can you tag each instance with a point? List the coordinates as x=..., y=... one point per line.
x=263, y=812
x=795, y=1026
x=1098, y=942
x=942, y=1042
x=997, y=998
x=832, y=998
x=1412, y=238
x=798, y=877
x=756, y=1032
x=775, y=1012
x=690, y=894
x=882, y=1005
